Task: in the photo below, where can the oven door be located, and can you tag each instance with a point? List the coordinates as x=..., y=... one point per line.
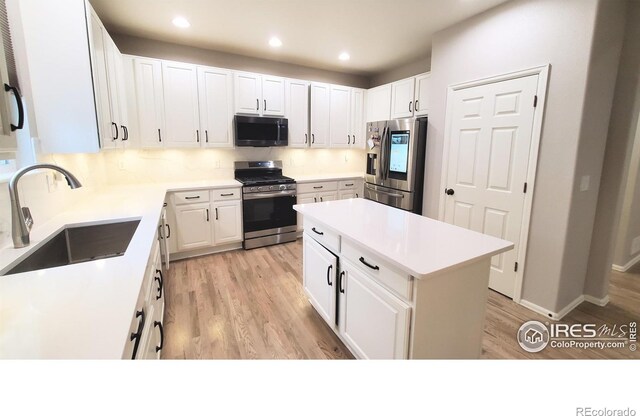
x=268, y=213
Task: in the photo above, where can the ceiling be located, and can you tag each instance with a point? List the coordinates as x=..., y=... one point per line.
x=378, y=34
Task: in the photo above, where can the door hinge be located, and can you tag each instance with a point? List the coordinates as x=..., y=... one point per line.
x=515, y=268
x=535, y=100
x=524, y=189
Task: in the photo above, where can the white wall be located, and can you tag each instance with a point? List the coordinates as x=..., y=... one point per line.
x=514, y=36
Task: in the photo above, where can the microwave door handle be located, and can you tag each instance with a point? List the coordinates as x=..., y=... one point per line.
x=278, y=127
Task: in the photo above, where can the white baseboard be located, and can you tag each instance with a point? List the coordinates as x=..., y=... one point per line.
x=627, y=266
x=553, y=315
x=597, y=301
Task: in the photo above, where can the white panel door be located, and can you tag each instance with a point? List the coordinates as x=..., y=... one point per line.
x=113, y=58
x=372, y=321
x=320, y=114
x=309, y=198
x=297, y=105
x=319, y=277
x=247, y=91
x=149, y=101
x=347, y=194
x=193, y=223
x=227, y=222
x=379, y=103
x=339, y=116
x=216, y=109
x=327, y=196
x=487, y=165
x=356, y=114
x=180, y=87
x=422, y=94
x=101, y=82
x=402, y=98
x=272, y=96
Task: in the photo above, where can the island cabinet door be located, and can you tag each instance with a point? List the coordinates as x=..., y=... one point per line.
x=372, y=321
x=320, y=271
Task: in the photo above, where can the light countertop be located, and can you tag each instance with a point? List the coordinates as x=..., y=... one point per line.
x=327, y=177
x=418, y=245
x=83, y=310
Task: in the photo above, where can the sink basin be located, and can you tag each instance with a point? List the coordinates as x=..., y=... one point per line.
x=78, y=244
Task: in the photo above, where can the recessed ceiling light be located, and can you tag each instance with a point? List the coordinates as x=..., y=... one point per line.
x=275, y=42
x=181, y=22
x=344, y=56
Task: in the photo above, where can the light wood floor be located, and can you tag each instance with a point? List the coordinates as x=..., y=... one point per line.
x=250, y=304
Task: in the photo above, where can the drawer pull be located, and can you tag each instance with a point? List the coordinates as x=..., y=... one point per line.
x=316, y=231
x=192, y=197
x=348, y=184
x=158, y=325
x=329, y=282
x=363, y=261
x=318, y=187
x=341, y=282
x=135, y=336
x=160, y=281
x=230, y=194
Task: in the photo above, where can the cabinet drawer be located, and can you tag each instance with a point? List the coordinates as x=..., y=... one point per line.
x=322, y=235
x=190, y=197
x=349, y=184
x=317, y=187
x=226, y=194
x=398, y=282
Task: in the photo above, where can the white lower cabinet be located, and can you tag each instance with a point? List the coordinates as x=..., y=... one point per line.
x=227, y=224
x=319, y=279
x=194, y=226
x=373, y=322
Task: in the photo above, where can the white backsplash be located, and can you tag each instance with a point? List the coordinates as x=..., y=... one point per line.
x=118, y=167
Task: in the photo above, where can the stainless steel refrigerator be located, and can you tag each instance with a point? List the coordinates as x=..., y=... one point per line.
x=395, y=162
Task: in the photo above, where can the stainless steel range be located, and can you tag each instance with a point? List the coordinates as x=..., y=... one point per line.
x=268, y=198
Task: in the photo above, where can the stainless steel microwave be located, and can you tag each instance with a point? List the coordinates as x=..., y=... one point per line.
x=261, y=131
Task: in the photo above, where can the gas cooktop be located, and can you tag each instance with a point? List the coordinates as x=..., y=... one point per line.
x=264, y=180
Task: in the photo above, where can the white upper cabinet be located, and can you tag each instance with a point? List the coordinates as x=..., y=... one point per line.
x=402, y=98
x=116, y=93
x=320, y=114
x=356, y=113
x=379, y=103
x=297, y=106
x=180, y=86
x=339, y=119
x=216, y=109
x=248, y=91
x=261, y=95
x=272, y=96
x=149, y=102
x=422, y=93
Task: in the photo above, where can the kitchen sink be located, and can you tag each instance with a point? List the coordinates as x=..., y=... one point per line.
x=78, y=244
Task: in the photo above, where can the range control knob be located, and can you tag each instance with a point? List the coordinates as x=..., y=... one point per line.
x=253, y=188
x=283, y=187
x=260, y=188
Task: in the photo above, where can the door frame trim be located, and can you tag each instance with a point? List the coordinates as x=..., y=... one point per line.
x=536, y=133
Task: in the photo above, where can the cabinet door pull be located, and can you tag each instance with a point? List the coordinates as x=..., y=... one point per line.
x=168, y=231
x=135, y=336
x=410, y=105
x=265, y=106
x=229, y=194
x=318, y=187
x=363, y=261
x=125, y=135
x=206, y=135
x=207, y=214
x=341, y=281
x=198, y=136
x=416, y=106
x=159, y=136
x=158, y=325
x=316, y=231
x=329, y=282
x=354, y=139
x=116, y=126
x=16, y=95
x=313, y=138
x=348, y=139
x=257, y=104
x=216, y=213
x=357, y=196
x=305, y=138
x=192, y=197
x=160, y=281
x=320, y=199
x=315, y=199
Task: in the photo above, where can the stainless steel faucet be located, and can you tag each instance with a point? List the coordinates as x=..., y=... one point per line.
x=21, y=219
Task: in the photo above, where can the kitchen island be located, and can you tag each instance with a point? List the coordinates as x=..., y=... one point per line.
x=392, y=284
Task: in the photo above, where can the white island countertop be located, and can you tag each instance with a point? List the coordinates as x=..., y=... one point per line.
x=83, y=310
x=418, y=245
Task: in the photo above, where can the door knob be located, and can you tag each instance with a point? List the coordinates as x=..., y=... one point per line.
x=449, y=191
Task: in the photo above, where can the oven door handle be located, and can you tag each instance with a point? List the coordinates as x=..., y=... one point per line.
x=265, y=195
